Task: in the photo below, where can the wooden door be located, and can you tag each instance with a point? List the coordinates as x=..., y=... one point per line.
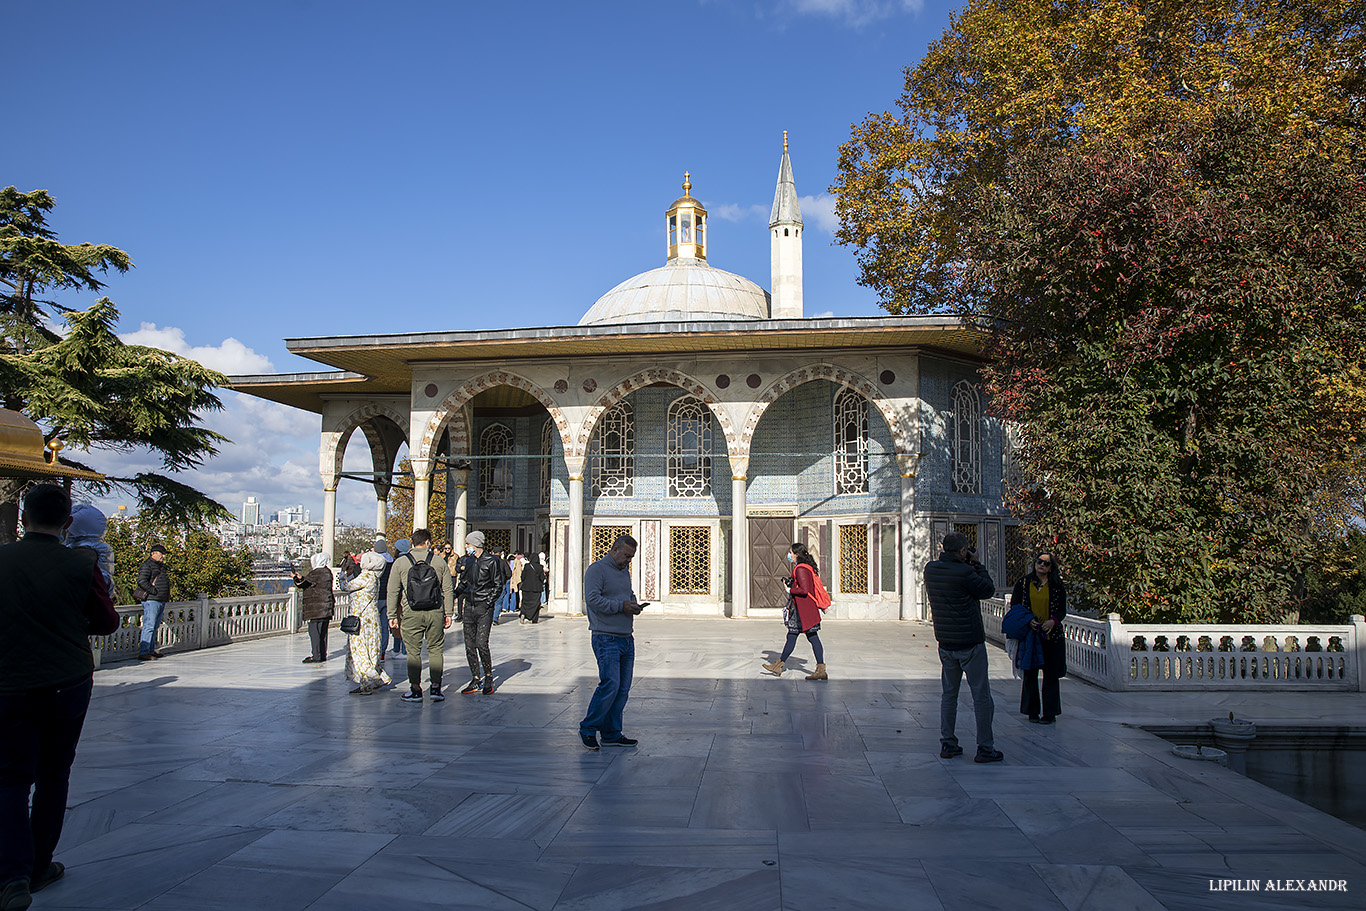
x=769, y=539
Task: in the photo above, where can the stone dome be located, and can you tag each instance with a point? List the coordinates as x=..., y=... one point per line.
x=681, y=291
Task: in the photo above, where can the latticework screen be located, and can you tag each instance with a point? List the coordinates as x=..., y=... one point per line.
x=496, y=539
x=690, y=560
x=603, y=536
x=854, y=559
x=1017, y=553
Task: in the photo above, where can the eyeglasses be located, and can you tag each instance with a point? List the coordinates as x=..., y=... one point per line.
x=1044, y=562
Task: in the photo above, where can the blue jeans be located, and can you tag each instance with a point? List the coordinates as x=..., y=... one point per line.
x=971, y=662
x=38, y=734
x=152, y=612
x=616, y=663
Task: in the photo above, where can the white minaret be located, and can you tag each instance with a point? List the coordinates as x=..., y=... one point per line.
x=785, y=251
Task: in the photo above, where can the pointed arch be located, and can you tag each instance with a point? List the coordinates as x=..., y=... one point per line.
x=370, y=418
x=450, y=413
x=903, y=439
x=641, y=380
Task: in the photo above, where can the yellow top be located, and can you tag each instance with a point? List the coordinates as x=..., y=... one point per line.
x=1038, y=600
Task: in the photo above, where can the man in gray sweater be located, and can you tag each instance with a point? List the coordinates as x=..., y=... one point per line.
x=612, y=608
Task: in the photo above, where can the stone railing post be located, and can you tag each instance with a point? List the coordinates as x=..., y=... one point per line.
x=201, y=621
x=1116, y=654
x=292, y=615
x=1358, y=647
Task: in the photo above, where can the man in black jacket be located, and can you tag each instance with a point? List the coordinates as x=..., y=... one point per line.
x=483, y=584
x=155, y=587
x=52, y=599
x=956, y=583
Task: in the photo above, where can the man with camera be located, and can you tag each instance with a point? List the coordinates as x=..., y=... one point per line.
x=955, y=584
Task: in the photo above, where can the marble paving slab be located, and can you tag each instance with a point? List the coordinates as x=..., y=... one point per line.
x=238, y=778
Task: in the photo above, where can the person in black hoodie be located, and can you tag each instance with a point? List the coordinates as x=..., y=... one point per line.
x=955, y=584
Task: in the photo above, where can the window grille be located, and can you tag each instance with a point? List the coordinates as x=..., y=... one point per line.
x=611, y=455
x=689, y=448
x=496, y=539
x=547, y=448
x=854, y=559
x=967, y=439
x=495, y=470
x=1012, y=472
x=690, y=560
x=603, y=537
x=851, y=443
x=1017, y=554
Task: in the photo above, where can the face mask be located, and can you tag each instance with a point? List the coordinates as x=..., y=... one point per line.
x=791, y=559
x=470, y=551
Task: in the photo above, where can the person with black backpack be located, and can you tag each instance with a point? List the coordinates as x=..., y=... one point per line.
x=421, y=602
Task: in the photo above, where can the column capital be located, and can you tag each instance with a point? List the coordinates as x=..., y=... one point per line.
x=908, y=463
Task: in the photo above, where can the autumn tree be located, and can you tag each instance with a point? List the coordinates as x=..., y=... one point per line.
x=1154, y=209
x=399, y=522
x=84, y=387
x=196, y=559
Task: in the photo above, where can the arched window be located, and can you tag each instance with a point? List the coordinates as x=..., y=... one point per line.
x=851, y=443
x=689, y=448
x=611, y=454
x=495, y=466
x=967, y=439
x=547, y=449
x=1012, y=473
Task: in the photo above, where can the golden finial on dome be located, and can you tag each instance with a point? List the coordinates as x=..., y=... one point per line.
x=687, y=185
x=784, y=140
x=55, y=446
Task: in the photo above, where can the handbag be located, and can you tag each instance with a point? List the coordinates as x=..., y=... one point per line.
x=350, y=625
x=140, y=594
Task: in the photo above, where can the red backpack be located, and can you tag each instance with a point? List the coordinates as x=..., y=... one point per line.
x=818, y=592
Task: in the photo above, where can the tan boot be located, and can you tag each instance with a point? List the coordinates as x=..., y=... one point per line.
x=776, y=668
x=819, y=674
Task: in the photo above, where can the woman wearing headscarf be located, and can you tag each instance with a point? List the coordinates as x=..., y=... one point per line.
x=362, y=652
x=318, y=603
x=401, y=547
x=1043, y=592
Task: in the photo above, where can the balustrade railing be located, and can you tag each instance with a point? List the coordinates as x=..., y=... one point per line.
x=1157, y=656
x=208, y=622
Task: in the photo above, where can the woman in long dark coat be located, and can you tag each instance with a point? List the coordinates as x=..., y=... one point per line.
x=1044, y=593
x=318, y=604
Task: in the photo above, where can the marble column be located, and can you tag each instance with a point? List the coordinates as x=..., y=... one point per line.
x=460, y=525
x=422, y=494
x=330, y=519
x=575, y=567
x=912, y=550
x=381, y=514
x=739, y=535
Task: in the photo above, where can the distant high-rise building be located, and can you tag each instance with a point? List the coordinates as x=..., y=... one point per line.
x=251, y=512
x=291, y=514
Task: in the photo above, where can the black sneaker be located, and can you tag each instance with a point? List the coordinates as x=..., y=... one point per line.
x=412, y=696
x=472, y=687
x=437, y=695
x=590, y=742
x=950, y=750
x=620, y=742
x=984, y=755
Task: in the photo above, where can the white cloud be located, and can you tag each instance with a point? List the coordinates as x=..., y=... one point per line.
x=827, y=314
x=820, y=212
x=735, y=212
x=231, y=357
x=854, y=13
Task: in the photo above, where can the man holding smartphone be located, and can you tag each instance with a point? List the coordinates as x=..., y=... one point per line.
x=611, y=608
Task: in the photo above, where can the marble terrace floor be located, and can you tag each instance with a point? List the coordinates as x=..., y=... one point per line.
x=239, y=778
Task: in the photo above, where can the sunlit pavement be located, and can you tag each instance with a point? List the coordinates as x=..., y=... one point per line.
x=237, y=777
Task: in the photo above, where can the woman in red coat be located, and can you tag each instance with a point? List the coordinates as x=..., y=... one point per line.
x=801, y=614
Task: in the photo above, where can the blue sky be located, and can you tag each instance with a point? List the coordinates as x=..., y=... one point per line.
x=324, y=167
